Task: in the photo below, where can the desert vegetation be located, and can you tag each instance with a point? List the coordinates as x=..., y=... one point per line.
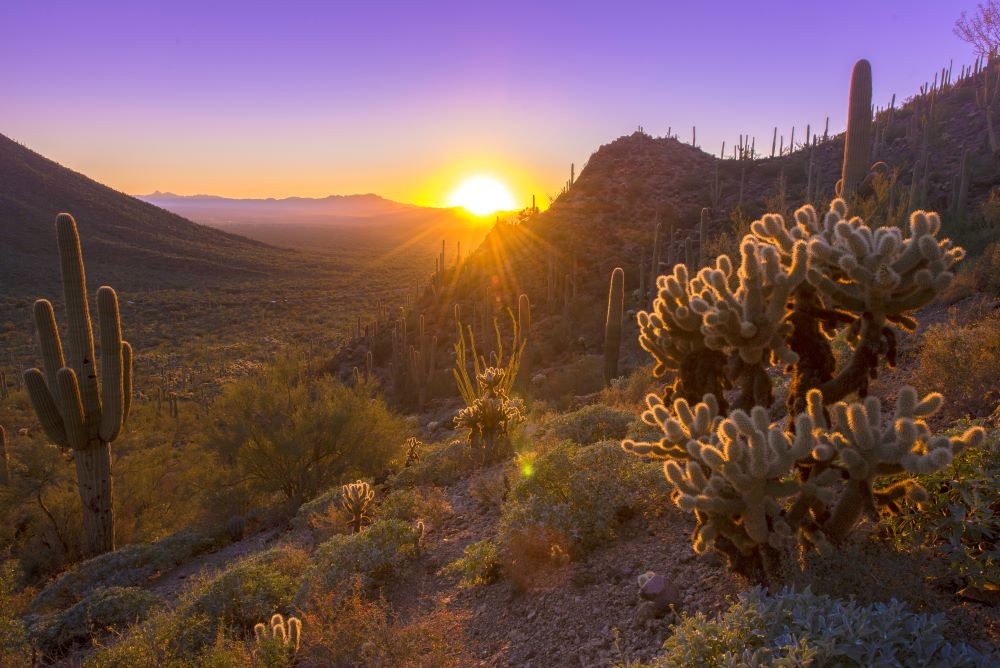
x=662, y=423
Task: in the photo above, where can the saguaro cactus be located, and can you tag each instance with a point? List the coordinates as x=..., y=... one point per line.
x=613, y=324
x=75, y=411
x=858, y=143
x=4, y=458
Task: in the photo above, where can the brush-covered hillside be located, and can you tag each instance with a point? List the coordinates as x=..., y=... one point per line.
x=797, y=466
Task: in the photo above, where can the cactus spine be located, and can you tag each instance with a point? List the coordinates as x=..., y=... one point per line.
x=858, y=143
x=74, y=410
x=613, y=324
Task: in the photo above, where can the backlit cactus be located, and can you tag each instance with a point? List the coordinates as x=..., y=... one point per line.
x=277, y=641
x=356, y=498
x=613, y=325
x=755, y=485
x=489, y=417
x=858, y=142
x=412, y=445
x=75, y=411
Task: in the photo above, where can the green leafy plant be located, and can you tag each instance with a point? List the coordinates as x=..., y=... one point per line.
x=960, y=516
x=480, y=564
x=801, y=628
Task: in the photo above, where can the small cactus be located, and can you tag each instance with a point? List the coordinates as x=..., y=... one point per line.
x=277, y=641
x=412, y=446
x=357, y=497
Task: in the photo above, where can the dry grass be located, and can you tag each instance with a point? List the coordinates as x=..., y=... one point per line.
x=962, y=361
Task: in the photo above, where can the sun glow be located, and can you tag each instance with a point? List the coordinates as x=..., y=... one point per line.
x=482, y=195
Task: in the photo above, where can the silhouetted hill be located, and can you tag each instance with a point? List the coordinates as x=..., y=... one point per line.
x=125, y=240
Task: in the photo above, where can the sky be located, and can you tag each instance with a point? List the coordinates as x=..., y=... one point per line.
x=406, y=99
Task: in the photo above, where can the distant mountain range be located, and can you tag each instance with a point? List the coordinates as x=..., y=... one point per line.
x=334, y=224
x=223, y=211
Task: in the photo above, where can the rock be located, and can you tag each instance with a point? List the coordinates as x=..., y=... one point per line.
x=644, y=613
x=659, y=591
x=538, y=379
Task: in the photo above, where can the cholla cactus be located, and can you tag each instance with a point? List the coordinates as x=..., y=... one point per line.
x=490, y=410
x=490, y=415
x=755, y=485
x=412, y=445
x=276, y=641
x=357, y=496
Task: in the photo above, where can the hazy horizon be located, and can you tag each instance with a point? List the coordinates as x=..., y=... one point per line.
x=406, y=102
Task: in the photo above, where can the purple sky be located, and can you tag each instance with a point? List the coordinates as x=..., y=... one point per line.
x=405, y=99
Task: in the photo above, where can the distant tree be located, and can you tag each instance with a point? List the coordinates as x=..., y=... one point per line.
x=982, y=29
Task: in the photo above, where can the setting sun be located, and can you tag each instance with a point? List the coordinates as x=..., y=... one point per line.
x=482, y=195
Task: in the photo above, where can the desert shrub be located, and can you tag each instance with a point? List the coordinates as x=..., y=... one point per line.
x=479, y=564
x=577, y=495
x=590, y=424
x=374, y=554
x=582, y=375
x=961, y=516
x=414, y=503
x=490, y=489
x=129, y=566
x=110, y=609
x=213, y=611
x=356, y=630
x=442, y=465
x=802, y=628
x=962, y=361
x=14, y=649
x=297, y=434
x=629, y=390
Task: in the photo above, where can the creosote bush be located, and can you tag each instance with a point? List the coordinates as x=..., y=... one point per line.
x=802, y=628
x=756, y=486
x=576, y=496
x=590, y=424
x=297, y=434
x=374, y=555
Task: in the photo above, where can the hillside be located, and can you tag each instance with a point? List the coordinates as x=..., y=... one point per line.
x=128, y=242
x=562, y=258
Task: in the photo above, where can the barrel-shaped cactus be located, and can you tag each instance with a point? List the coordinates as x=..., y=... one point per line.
x=75, y=410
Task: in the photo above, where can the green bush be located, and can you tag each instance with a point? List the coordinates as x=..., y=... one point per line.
x=802, y=628
x=590, y=424
x=478, y=565
x=374, y=554
x=102, y=610
x=14, y=649
x=961, y=517
x=578, y=494
x=297, y=434
x=414, y=503
x=442, y=465
x=129, y=566
x=213, y=612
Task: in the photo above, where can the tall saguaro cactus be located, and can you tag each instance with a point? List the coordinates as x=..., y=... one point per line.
x=613, y=324
x=858, y=141
x=75, y=411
